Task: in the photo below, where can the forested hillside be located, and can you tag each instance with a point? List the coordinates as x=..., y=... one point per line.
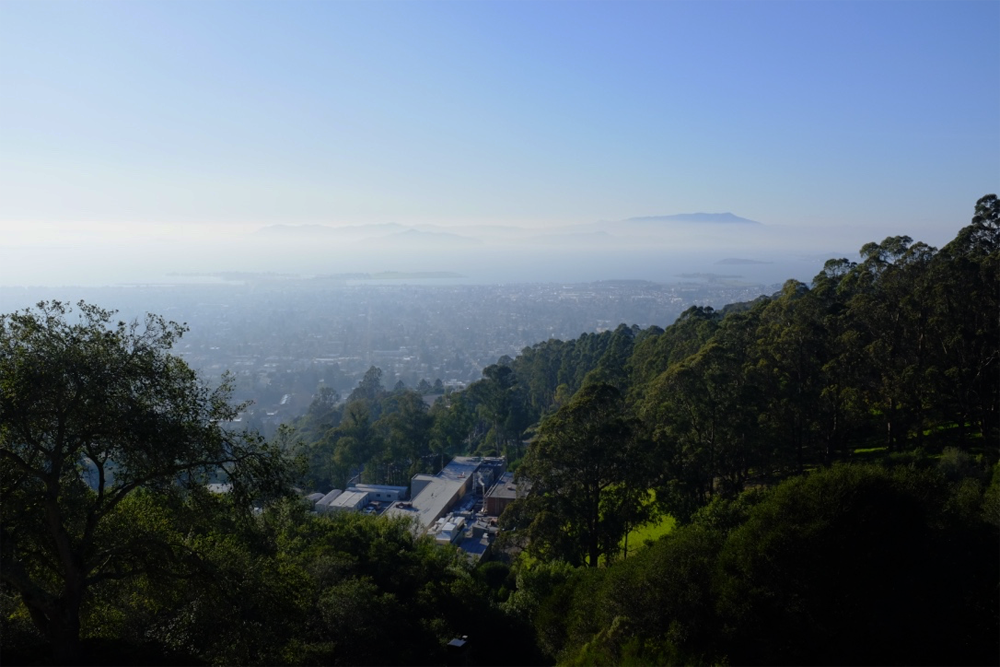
x=822, y=464
x=891, y=359
x=896, y=351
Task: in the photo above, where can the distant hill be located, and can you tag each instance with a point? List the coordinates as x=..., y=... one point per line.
x=698, y=218
x=387, y=233
x=574, y=236
x=436, y=238
x=301, y=231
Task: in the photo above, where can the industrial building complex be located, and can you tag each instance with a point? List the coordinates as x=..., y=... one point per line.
x=459, y=505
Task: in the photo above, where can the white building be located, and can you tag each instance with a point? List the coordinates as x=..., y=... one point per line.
x=323, y=504
x=434, y=495
x=349, y=500
x=449, y=530
x=381, y=492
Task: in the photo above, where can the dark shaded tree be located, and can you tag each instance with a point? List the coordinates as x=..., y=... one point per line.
x=92, y=412
x=582, y=454
x=965, y=357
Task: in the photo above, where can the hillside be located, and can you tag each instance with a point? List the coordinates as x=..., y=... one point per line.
x=828, y=453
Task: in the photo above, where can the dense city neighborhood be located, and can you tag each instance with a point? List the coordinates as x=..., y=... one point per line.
x=284, y=339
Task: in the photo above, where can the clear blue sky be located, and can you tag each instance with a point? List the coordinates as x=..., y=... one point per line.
x=519, y=112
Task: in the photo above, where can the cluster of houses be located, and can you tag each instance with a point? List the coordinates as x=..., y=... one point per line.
x=458, y=506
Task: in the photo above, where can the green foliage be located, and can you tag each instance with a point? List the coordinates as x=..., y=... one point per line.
x=655, y=353
x=107, y=532
x=92, y=413
x=637, y=538
x=288, y=587
x=589, y=475
x=375, y=594
x=452, y=423
x=858, y=551
x=370, y=388
x=991, y=499
x=851, y=565
x=500, y=406
x=535, y=584
x=383, y=437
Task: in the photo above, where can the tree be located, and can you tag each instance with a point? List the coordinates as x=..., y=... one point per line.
x=453, y=422
x=583, y=453
x=790, y=355
x=500, y=405
x=859, y=565
x=91, y=413
x=369, y=389
x=405, y=427
x=966, y=298
x=888, y=310
x=702, y=413
x=655, y=353
x=612, y=366
x=354, y=443
x=323, y=414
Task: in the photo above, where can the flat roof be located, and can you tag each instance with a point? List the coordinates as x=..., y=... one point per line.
x=428, y=505
x=349, y=499
x=379, y=487
x=329, y=498
x=476, y=547
x=505, y=488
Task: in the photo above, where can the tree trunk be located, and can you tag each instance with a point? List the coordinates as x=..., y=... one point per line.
x=59, y=623
x=593, y=540
x=64, y=634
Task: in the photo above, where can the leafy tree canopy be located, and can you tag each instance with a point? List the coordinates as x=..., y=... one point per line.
x=91, y=412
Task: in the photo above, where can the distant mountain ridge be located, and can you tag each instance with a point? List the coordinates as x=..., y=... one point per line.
x=473, y=234
x=701, y=218
x=328, y=230
x=421, y=236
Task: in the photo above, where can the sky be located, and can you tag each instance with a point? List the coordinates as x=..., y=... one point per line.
x=151, y=119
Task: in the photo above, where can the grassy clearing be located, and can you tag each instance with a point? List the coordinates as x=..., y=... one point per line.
x=637, y=538
x=869, y=454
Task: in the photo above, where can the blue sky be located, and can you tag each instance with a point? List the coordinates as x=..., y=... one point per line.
x=208, y=113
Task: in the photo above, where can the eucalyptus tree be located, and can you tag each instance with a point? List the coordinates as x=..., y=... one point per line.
x=889, y=312
x=451, y=427
x=654, y=353
x=354, y=443
x=965, y=297
x=790, y=352
x=703, y=415
x=584, y=454
x=405, y=427
x=843, y=410
x=369, y=389
x=501, y=406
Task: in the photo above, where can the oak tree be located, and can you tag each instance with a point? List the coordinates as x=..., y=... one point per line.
x=91, y=413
